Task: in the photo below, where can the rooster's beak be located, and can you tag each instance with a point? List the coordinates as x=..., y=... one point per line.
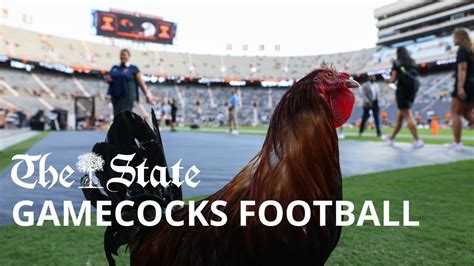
x=352, y=84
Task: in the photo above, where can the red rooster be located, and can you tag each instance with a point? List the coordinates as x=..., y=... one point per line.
x=299, y=160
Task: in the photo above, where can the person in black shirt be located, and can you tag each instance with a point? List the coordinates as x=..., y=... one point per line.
x=124, y=80
x=174, y=111
x=463, y=93
x=405, y=73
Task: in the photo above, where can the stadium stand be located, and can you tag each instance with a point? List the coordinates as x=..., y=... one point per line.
x=24, y=44
x=195, y=102
x=79, y=66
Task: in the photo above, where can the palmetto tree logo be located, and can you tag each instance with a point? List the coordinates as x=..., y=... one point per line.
x=88, y=163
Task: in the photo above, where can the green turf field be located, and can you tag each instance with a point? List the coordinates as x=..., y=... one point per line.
x=444, y=136
x=440, y=198
x=7, y=154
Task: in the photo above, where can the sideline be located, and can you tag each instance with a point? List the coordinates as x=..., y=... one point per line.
x=20, y=147
x=10, y=137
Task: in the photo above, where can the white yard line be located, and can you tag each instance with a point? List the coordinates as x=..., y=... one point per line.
x=17, y=137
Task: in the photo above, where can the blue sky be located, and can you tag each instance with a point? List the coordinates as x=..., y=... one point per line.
x=299, y=27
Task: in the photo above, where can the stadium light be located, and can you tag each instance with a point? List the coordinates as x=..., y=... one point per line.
x=277, y=83
x=20, y=65
x=57, y=67
x=210, y=80
x=446, y=61
x=237, y=83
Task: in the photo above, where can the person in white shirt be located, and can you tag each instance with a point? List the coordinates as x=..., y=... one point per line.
x=370, y=96
x=255, y=113
x=429, y=116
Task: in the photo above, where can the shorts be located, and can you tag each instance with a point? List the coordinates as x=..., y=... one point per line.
x=405, y=99
x=469, y=94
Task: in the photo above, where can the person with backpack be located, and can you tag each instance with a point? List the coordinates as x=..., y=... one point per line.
x=405, y=74
x=463, y=93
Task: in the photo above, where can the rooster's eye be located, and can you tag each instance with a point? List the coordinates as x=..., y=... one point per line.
x=329, y=74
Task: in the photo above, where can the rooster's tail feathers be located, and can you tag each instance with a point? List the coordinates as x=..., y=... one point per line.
x=129, y=134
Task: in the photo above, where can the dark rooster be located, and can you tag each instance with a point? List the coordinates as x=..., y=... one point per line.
x=299, y=160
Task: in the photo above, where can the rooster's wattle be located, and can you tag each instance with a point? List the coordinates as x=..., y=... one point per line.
x=299, y=160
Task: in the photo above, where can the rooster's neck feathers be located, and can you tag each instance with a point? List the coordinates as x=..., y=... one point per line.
x=299, y=160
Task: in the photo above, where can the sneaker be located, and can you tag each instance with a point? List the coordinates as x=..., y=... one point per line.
x=234, y=132
x=341, y=136
x=384, y=137
x=418, y=144
x=454, y=146
x=389, y=142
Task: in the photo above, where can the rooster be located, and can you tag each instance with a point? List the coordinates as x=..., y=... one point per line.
x=299, y=160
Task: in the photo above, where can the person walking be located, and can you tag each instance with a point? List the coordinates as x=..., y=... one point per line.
x=167, y=112
x=233, y=101
x=463, y=93
x=429, y=116
x=255, y=113
x=370, y=96
x=405, y=74
x=124, y=80
x=174, y=111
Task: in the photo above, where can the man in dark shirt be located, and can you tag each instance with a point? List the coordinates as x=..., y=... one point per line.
x=124, y=80
x=370, y=96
